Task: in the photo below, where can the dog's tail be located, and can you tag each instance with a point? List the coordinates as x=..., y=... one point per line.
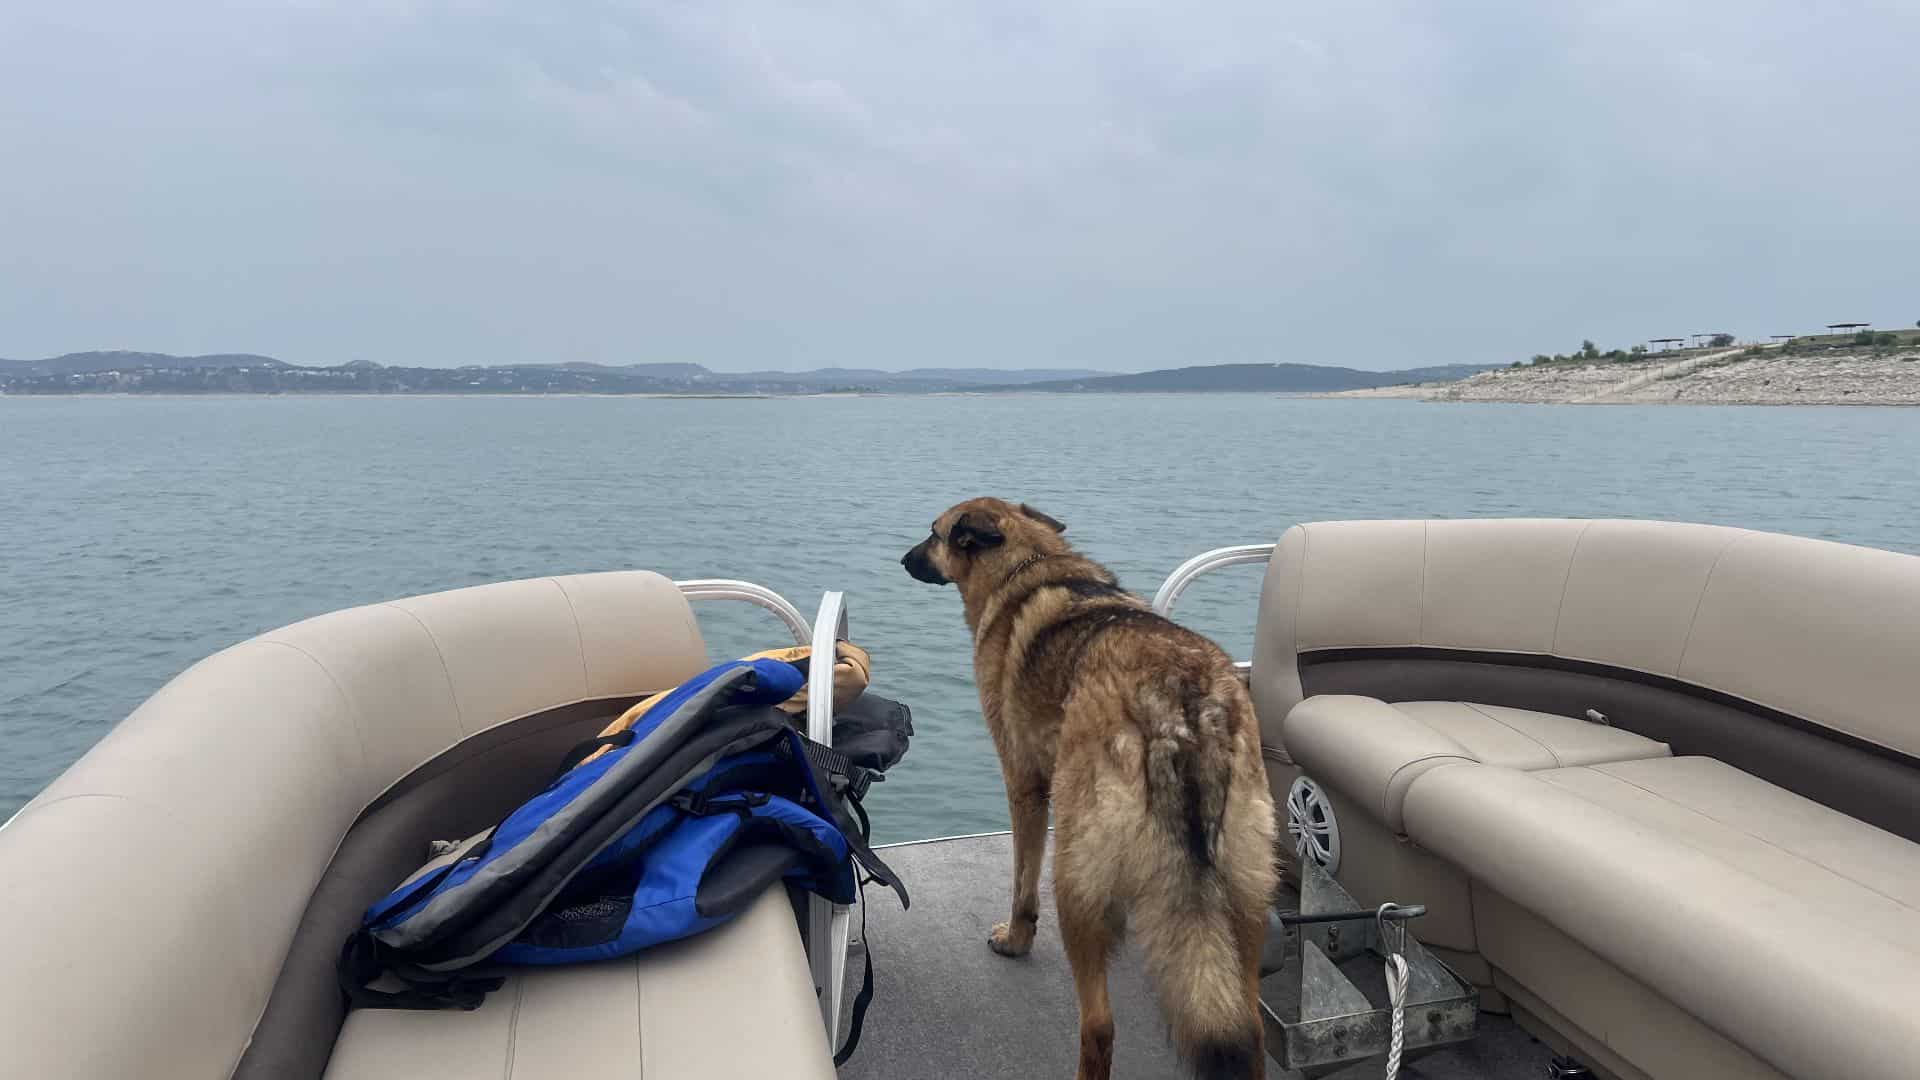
x=1201, y=927
x=1211, y=1009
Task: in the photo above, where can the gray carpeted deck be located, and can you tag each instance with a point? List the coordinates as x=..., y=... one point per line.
x=946, y=1006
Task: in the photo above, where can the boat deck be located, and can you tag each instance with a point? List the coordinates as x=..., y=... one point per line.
x=946, y=1006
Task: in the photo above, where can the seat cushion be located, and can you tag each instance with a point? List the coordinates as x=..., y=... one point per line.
x=1371, y=751
x=736, y=1001
x=1789, y=928
x=1524, y=739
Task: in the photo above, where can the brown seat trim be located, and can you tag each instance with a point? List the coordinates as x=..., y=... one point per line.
x=463, y=789
x=1861, y=779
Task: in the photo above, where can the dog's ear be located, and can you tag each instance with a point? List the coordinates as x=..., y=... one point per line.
x=1045, y=519
x=972, y=531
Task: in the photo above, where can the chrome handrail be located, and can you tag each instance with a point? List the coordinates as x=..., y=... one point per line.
x=730, y=589
x=1202, y=563
x=827, y=922
x=1205, y=562
x=829, y=628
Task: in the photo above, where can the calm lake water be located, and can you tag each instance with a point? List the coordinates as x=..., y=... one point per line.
x=137, y=536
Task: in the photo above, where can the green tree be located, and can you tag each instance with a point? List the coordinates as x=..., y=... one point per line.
x=1721, y=341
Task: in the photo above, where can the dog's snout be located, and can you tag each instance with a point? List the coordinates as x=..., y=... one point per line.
x=920, y=566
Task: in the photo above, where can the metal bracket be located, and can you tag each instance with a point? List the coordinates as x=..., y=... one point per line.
x=1319, y=1018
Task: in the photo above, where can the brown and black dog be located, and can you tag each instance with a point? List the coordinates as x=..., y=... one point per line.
x=1140, y=734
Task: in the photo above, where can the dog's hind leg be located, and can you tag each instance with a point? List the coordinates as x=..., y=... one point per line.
x=1027, y=805
x=1088, y=931
x=1095, y=828
x=1250, y=932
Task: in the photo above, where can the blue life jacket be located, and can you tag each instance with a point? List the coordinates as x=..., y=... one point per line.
x=711, y=797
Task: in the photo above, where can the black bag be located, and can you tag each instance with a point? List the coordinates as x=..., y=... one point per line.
x=873, y=731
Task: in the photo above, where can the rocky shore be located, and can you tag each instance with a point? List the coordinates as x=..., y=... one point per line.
x=1731, y=377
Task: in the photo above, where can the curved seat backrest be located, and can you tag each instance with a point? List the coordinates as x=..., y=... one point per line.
x=1794, y=659
x=149, y=895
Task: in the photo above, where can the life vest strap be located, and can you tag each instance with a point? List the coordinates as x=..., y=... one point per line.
x=865, y=997
x=844, y=799
x=361, y=964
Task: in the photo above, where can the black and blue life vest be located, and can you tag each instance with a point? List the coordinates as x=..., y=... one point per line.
x=677, y=827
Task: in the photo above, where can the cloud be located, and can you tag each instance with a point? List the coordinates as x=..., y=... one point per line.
x=759, y=184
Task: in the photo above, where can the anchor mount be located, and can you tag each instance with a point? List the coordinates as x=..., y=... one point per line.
x=1318, y=1017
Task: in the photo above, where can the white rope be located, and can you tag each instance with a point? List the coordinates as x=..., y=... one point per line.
x=1397, y=1001
x=1396, y=989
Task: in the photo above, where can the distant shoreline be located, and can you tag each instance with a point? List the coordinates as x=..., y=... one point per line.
x=1773, y=404
x=1427, y=392
x=142, y=373
x=1754, y=375
x=124, y=396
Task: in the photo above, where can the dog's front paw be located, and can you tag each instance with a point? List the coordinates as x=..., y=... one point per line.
x=1006, y=942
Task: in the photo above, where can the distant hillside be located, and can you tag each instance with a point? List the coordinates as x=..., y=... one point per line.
x=81, y=363
x=1272, y=378
x=246, y=373
x=150, y=372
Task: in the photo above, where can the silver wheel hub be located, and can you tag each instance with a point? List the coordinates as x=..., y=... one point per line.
x=1310, y=821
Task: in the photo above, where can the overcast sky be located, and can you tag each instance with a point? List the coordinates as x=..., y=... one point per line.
x=1001, y=184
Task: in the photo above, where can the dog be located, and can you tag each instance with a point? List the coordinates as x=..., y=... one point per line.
x=1141, y=736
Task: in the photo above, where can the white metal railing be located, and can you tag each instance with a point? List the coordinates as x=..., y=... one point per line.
x=729, y=589
x=1202, y=563
x=827, y=921
x=1206, y=562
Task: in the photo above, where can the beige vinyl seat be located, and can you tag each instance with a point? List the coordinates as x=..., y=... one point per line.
x=1373, y=751
x=1756, y=912
x=734, y=1002
x=172, y=906
x=1659, y=784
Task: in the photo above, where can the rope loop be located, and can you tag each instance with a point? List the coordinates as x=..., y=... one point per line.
x=1396, y=991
